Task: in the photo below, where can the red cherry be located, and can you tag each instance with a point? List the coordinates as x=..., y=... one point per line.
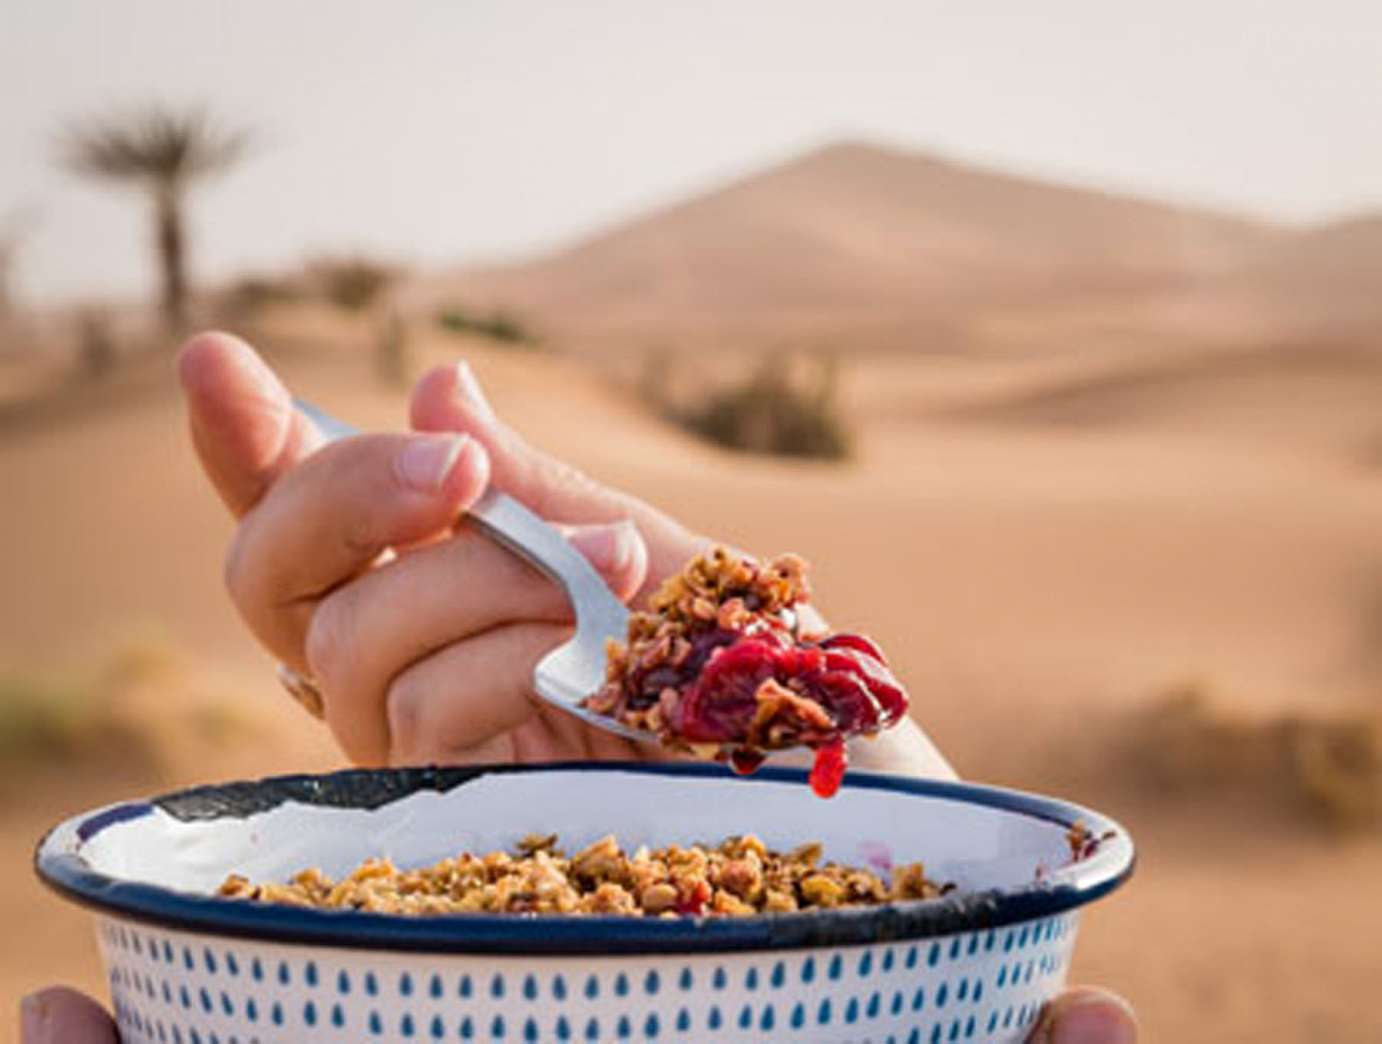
x=857, y=642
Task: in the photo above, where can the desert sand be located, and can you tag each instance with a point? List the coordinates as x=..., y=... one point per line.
x=1047, y=531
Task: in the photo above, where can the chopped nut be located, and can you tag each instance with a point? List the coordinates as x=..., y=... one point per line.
x=725, y=903
x=808, y=854
x=611, y=898
x=658, y=897
x=598, y=861
x=820, y=890
x=533, y=843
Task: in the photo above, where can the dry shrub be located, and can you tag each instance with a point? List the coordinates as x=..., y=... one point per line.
x=251, y=294
x=393, y=363
x=353, y=283
x=774, y=412
x=1329, y=766
x=499, y=326
x=1188, y=742
x=140, y=710
x=96, y=343
x=1338, y=766
x=48, y=720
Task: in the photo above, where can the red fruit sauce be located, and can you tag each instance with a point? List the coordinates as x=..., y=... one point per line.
x=720, y=662
x=844, y=674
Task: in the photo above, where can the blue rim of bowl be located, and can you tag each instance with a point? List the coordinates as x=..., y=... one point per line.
x=66, y=872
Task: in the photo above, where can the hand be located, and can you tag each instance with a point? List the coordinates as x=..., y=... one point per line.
x=422, y=634
x=1079, y=1016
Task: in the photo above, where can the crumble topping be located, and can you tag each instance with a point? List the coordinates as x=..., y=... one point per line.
x=737, y=878
x=719, y=665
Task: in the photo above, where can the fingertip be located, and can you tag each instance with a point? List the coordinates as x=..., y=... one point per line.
x=634, y=572
x=617, y=551
x=61, y=1014
x=449, y=398
x=469, y=476
x=208, y=360
x=241, y=416
x=434, y=395
x=1086, y=1015
x=225, y=379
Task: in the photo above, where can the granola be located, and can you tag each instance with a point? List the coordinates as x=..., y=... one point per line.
x=737, y=878
x=720, y=664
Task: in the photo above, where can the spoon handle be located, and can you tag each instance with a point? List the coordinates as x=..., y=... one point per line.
x=514, y=527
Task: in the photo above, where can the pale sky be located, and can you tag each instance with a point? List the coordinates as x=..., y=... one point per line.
x=452, y=130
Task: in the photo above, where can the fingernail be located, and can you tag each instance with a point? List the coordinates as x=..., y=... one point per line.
x=1091, y=1020
x=426, y=461
x=33, y=1020
x=610, y=549
x=469, y=389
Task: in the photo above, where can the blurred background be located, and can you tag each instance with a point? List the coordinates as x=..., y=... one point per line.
x=1051, y=334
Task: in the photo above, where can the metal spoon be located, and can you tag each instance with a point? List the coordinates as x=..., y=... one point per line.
x=570, y=672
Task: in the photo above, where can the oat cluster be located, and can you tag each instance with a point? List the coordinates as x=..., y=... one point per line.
x=717, y=592
x=737, y=878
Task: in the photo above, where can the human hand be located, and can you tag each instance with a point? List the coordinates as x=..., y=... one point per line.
x=1079, y=1016
x=424, y=654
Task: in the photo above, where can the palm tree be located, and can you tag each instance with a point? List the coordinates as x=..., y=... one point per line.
x=163, y=152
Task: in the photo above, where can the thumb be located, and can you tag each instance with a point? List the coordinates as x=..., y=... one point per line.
x=242, y=419
x=617, y=551
x=59, y=1015
x=449, y=398
x=1085, y=1015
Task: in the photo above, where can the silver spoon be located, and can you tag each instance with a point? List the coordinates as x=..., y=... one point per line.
x=570, y=672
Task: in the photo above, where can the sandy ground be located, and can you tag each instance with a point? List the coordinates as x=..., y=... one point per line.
x=1049, y=542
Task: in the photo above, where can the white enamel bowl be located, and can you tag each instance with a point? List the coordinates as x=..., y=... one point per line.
x=186, y=967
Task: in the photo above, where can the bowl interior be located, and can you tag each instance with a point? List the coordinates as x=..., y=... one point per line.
x=190, y=846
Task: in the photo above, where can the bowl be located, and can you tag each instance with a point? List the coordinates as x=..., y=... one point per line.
x=187, y=967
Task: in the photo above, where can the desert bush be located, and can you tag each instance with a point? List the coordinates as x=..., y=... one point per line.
x=353, y=283
x=498, y=325
x=252, y=293
x=773, y=412
x=1338, y=767
x=139, y=710
x=49, y=719
x=392, y=360
x=1329, y=766
x=96, y=347
x=38, y=717
x=1188, y=742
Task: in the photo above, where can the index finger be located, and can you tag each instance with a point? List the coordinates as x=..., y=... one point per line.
x=242, y=419
x=330, y=518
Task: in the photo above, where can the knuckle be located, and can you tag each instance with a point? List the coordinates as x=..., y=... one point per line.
x=327, y=643
x=235, y=572
x=360, y=535
x=552, y=480
x=403, y=707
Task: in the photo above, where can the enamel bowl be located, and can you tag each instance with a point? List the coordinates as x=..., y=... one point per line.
x=186, y=967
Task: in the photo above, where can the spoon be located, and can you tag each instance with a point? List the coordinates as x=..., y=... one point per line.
x=570, y=672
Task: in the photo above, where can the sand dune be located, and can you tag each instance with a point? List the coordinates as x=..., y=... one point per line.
x=1326, y=280
x=1296, y=397
x=885, y=247
x=861, y=248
